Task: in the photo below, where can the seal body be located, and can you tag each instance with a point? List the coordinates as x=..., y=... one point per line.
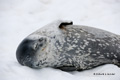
x=69, y=47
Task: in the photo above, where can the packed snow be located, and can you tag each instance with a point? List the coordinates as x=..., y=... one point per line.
x=19, y=18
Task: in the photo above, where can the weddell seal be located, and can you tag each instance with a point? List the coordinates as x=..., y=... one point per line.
x=69, y=47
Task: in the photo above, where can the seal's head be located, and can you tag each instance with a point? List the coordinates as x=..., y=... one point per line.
x=30, y=49
x=39, y=49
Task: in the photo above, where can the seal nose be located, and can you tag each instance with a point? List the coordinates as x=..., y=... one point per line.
x=24, y=50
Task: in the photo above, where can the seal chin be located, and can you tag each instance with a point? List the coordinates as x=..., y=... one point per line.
x=27, y=50
x=31, y=65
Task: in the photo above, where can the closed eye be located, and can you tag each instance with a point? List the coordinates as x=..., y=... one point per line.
x=41, y=39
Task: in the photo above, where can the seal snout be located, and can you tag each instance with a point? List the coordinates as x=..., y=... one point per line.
x=27, y=50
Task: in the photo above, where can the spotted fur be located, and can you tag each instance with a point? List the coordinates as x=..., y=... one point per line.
x=72, y=47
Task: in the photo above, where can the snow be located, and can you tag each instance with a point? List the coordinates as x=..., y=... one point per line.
x=19, y=18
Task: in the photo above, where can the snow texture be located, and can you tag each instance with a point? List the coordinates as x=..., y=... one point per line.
x=19, y=18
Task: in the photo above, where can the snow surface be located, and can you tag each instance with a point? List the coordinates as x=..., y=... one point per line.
x=19, y=18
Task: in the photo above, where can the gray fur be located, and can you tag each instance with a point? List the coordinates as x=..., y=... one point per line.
x=71, y=47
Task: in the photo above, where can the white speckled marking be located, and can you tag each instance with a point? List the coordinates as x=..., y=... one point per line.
x=79, y=46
